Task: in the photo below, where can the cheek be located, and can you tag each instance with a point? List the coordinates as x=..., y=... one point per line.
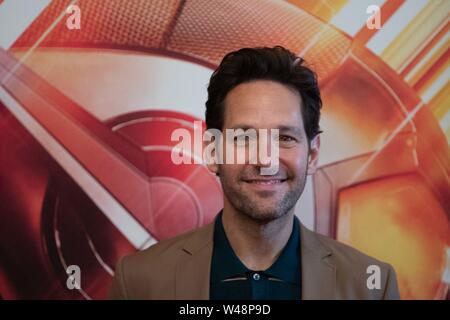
x=295, y=161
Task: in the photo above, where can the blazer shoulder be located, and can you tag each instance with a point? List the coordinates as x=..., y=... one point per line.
x=167, y=248
x=150, y=273
x=354, y=270
x=345, y=253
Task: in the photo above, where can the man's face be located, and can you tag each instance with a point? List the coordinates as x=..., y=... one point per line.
x=264, y=104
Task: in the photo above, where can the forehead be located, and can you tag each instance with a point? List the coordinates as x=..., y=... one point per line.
x=263, y=104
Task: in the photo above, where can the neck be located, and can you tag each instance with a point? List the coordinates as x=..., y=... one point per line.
x=257, y=244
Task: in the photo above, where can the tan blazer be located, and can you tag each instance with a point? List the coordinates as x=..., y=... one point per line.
x=179, y=268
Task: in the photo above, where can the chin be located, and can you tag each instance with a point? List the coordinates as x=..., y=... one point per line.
x=265, y=214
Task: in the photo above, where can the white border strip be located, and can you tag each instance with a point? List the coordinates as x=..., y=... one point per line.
x=353, y=16
x=113, y=210
x=16, y=16
x=395, y=25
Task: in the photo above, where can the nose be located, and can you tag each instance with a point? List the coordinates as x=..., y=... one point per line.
x=267, y=157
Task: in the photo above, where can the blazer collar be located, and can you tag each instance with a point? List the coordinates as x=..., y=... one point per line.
x=193, y=270
x=318, y=270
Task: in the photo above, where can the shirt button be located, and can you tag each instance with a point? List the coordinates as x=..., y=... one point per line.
x=256, y=276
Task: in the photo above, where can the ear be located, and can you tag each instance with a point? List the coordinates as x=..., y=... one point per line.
x=210, y=158
x=213, y=168
x=313, y=156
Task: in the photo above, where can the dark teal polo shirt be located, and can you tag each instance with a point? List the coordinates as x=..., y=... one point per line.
x=231, y=280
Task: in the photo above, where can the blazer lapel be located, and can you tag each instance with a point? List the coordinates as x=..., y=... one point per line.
x=318, y=271
x=193, y=269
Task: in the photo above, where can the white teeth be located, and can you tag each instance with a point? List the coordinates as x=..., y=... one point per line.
x=267, y=182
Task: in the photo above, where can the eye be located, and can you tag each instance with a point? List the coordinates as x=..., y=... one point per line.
x=284, y=138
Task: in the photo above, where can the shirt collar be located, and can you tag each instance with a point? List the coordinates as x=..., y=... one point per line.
x=225, y=263
x=287, y=266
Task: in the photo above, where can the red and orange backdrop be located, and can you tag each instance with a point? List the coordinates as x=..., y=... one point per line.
x=86, y=114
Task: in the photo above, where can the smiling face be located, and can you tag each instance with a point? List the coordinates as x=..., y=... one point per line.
x=264, y=104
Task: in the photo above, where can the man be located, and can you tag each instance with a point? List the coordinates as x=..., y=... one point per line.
x=256, y=248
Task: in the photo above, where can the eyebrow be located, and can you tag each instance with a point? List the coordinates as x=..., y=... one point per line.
x=296, y=130
x=284, y=128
